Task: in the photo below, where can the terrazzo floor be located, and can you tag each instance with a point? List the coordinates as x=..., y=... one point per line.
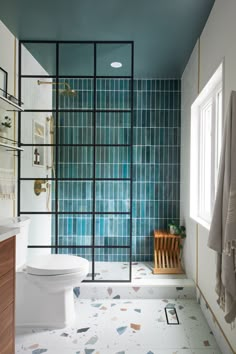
x=125, y=327
x=120, y=271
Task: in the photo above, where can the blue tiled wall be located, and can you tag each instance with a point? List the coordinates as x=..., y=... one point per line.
x=156, y=157
x=156, y=164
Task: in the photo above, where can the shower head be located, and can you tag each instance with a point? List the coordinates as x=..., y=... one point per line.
x=67, y=91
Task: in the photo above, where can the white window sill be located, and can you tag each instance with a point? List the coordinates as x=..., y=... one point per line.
x=202, y=222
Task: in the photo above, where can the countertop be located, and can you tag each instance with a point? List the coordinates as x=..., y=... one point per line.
x=7, y=232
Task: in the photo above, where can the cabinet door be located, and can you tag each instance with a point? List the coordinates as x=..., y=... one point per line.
x=7, y=296
x=7, y=331
x=7, y=255
x=6, y=290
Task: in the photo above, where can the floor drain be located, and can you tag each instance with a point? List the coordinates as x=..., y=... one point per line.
x=171, y=316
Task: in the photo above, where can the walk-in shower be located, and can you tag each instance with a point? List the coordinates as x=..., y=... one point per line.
x=109, y=150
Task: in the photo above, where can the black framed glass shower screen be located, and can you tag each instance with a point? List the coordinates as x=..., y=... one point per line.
x=75, y=173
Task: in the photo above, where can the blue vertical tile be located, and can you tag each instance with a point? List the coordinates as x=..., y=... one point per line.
x=156, y=155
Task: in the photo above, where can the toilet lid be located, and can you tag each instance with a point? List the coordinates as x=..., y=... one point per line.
x=56, y=264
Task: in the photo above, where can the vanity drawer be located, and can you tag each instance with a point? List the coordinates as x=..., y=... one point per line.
x=7, y=290
x=7, y=332
x=7, y=255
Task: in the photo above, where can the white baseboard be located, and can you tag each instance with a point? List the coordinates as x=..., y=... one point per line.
x=216, y=330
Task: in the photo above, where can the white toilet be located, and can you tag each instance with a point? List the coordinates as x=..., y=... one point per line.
x=44, y=285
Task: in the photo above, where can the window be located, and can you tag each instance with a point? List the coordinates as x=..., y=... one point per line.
x=206, y=138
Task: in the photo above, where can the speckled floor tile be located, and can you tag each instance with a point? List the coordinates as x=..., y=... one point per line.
x=124, y=327
x=196, y=328
x=58, y=350
x=206, y=351
x=120, y=270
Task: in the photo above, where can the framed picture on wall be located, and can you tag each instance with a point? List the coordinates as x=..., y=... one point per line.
x=3, y=82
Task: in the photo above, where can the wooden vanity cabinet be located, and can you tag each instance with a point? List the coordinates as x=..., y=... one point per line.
x=7, y=296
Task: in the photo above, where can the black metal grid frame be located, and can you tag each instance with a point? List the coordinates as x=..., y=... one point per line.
x=94, y=145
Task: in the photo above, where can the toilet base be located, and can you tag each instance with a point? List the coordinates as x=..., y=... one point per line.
x=36, y=307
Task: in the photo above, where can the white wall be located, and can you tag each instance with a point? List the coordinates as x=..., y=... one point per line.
x=217, y=42
x=33, y=96
x=7, y=55
x=189, y=93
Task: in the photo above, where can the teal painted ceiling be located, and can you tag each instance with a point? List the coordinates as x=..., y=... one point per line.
x=164, y=31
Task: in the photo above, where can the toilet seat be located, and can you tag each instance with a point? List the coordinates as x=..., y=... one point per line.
x=56, y=264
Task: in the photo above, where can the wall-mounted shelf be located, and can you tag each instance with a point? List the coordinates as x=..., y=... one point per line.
x=12, y=145
x=9, y=105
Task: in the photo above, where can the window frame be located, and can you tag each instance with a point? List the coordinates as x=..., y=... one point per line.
x=208, y=103
x=211, y=95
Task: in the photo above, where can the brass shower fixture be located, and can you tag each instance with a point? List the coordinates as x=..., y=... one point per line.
x=50, y=120
x=38, y=186
x=66, y=92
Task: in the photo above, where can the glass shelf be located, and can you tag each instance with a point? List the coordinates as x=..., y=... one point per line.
x=9, y=144
x=8, y=105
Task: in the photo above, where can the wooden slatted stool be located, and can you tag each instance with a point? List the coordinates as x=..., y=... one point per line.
x=166, y=253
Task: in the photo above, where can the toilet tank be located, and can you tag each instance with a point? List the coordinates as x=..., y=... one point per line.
x=21, y=222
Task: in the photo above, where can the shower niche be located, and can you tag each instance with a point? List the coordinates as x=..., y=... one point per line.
x=38, y=141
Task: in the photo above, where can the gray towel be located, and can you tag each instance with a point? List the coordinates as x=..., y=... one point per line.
x=222, y=236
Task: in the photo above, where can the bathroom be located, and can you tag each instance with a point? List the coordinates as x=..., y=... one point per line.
x=105, y=162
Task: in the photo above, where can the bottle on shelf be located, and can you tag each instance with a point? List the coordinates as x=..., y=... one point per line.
x=36, y=157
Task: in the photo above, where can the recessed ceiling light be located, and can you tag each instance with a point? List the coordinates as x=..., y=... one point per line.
x=116, y=64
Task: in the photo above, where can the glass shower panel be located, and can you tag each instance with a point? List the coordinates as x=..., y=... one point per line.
x=85, y=252
x=76, y=59
x=75, y=196
x=38, y=59
x=75, y=93
x=113, y=94
x=38, y=93
x=37, y=162
x=76, y=134
x=113, y=128
x=74, y=230
x=108, y=53
x=42, y=230
x=75, y=128
x=112, y=264
x=112, y=196
x=112, y=162
x=112, y=230
x=38, y=128
x=36, y=195
x=75, y=162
